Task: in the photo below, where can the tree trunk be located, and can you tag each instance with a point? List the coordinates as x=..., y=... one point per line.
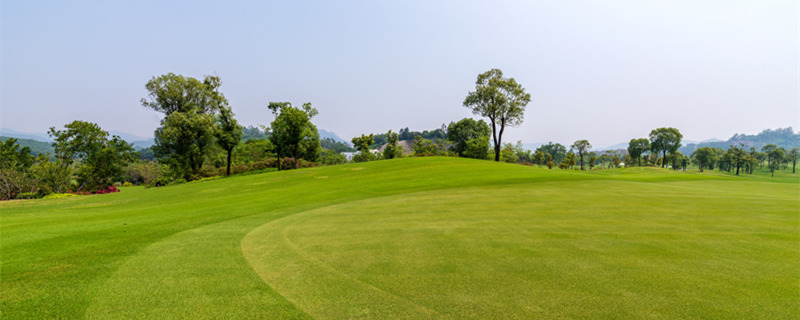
x=794, y=163
x=702, y=165
x=737, y=169
x=494, y=138
x=499, y=140
x=230, y=151
x=664, y=159
x=582, y=169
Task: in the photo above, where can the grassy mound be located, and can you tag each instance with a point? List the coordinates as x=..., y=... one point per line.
x=411, y=238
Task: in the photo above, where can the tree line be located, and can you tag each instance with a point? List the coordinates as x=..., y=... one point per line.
x=199, y=137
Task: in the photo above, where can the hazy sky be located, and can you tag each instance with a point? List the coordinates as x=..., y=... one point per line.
x=606, y=71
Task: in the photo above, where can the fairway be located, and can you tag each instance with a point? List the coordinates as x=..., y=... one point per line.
x=412, y=238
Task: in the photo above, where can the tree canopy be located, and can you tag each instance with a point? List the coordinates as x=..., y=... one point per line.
x=704, y=157
x=581, y=147
x=293, y=133
x=362, y=143
x=183, y=140
x=556, y=150
x=228, y=133
x=188, y=128
x=500, y=99
x=392, y=150
x=664, y=140
x=12, y=155
x=470, y=138
x=101, y=160
x=175, y=93
x=637, y=147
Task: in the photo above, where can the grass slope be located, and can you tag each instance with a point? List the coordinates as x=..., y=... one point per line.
x=411, y=238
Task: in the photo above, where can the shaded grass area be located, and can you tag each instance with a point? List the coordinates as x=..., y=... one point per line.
x=176, y=252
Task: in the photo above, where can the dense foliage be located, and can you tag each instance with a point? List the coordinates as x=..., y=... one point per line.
x=470, y=138
x=500, y=99
x=293, y=134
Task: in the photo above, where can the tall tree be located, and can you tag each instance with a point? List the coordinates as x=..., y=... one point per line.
x=767, y=150
x=362, y=143
x=292, y=131
x=637, y=147
x=187, y=129
x=793, y=155
x=175, y=93
x=470, y=138
x=675, y=159
x=13, y=156
x=738, y=157
x=101, y=160
x=183, y=140
x=581, y=147
x=392, y=150
x=704, y=157
x=228, y=133
x=555, y=150
x=502, y=100
x=774, y=155
x=665, y=140
x=539, y=157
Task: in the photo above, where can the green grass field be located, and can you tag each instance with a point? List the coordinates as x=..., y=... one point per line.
x=412, y=238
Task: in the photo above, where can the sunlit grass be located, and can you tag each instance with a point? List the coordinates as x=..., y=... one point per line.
x=412, y=238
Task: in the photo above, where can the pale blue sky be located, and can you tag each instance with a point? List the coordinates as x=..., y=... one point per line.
x=606, y=71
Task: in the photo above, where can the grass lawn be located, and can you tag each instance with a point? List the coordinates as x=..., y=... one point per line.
x=413, y=238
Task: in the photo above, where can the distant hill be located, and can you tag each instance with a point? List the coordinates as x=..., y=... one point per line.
x=37, y=147
x=142, y=144
x=784, y=137
x=137, y=141
x=6, y=132
x=327, y=134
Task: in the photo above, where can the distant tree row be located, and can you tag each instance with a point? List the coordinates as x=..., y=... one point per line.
x=199, y=137
x=737, y=158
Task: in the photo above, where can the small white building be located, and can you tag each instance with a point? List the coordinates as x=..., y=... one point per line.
x=349, y=155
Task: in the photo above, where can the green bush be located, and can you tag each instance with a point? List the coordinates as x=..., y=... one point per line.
x=127, y=184
x=179, y=181
x=206, y=179
x=163, y=181
x=59, y=195
x=29, y=195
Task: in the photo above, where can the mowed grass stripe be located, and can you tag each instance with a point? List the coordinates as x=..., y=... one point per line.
x=63, y=258
x=56, y=253
x=547, y=250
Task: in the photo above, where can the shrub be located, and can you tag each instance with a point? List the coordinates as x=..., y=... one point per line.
x=206, y=179
x=239, y=168
x=110, y=189
x=207, y=171
x=127, y=184
x=144, y=172
x=263, y=164
x=16, y=182
x=59, y=195
x=179, y=181
x=163, y=181
x=29, y=195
